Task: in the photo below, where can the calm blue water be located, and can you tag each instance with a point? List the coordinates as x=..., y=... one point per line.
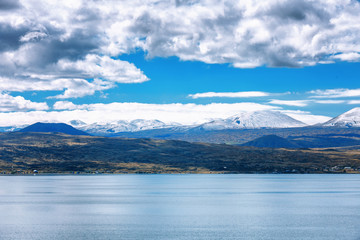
x=180, y=207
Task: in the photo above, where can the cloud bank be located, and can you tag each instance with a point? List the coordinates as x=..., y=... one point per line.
x=64, y=111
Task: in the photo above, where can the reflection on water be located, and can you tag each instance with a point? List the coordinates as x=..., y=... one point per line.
x=180, y=207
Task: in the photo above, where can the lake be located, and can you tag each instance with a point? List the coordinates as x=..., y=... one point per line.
x=180, y=207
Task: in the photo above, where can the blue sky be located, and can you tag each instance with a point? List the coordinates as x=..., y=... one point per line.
x=184, y=61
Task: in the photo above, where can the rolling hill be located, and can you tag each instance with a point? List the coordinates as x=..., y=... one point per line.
x=23, y=152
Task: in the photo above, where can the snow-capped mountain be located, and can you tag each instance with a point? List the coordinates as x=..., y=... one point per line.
x=106, y=128
x=348, y=119
x=256, y=119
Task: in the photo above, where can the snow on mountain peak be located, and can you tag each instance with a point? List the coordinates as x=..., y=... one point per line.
x=350, y=118
x=104, y=128
x=145, y=124
x=256, y=119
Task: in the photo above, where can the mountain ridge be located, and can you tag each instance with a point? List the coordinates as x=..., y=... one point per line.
x=232, y=130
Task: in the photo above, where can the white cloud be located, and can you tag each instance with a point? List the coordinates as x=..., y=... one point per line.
x=354, y=102
x=176, y=112
x=246, y=34
x=64, y=105
x=33, y=36
x=57, y=38
x=72, y=76
x=94, y=66
x=9, y=104
x=306, y=117
x=75, y=88
x=75, y=46
x=304, y=103
x=43, y=48
x=335, y=93
x=351, y=56
x=297, y=103
x=229, y=94
x=329, y=101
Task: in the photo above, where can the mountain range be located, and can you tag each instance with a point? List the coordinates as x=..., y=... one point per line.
x=108, y=128
x=243, y=120
x=239, y=129
x=250, y=147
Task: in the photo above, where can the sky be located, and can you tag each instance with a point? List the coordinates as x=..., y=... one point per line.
x=185, y=61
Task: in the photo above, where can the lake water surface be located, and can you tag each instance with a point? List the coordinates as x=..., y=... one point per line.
x=180, y=207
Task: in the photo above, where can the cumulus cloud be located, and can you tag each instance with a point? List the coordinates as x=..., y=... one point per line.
x=246, y=33
x=40, y=49
x=6, y=5
x=73, y=88
x=9, y=103
x=229, y=94
x=10, y=36
x=51, y=40
x=94, y=66
x=65, y=105
x=351, y=56
x=73, y=76
x=335, y=93
x=33, y=36
x=75, y=47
